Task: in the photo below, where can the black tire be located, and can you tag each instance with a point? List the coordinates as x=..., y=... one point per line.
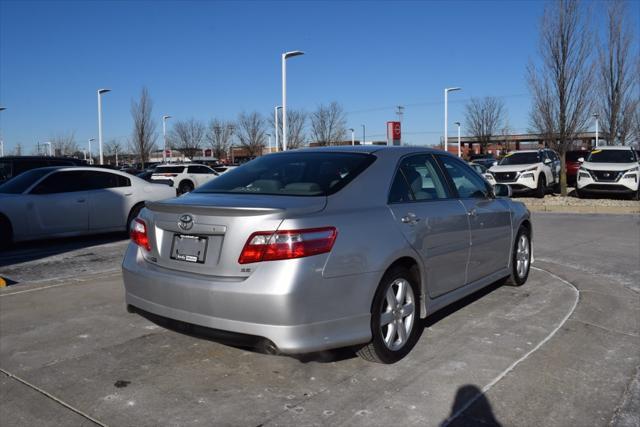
x=185, y=187
x=542, y=186
x=377, y=350
x=519, y=278
x=6, y=233
x=579, y=194
x=133, y=214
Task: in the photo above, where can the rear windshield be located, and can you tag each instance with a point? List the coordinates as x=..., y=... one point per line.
x=18, y=184
x=291, y=174
x=612, y=156
x=520, y=159
x=169, y=169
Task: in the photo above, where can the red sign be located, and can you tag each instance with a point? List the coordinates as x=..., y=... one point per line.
x=208, y=152
x=394, y=133
x=167, y=153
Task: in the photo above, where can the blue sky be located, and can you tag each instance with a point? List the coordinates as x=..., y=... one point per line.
x=214, y=59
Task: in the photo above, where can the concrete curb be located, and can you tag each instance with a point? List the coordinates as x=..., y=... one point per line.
x=617, y=210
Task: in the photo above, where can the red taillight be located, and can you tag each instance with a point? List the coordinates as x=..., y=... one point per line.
x=287, y=244
x=138, y=234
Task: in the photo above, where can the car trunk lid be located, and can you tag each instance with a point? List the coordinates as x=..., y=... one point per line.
x=205, y=233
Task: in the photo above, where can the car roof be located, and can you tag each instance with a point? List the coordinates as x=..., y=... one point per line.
x=368, y=149
x=611, y=148
x=82, y=168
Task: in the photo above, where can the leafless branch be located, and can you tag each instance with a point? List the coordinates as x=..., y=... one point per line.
x=144, y=127
x=188, y=136
x=484, y=118
x=329, y=124
x=252, y=133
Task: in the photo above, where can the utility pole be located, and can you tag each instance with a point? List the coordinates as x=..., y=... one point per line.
x=400, y=112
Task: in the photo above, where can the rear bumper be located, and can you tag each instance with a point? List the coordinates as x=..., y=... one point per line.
x=290, y=305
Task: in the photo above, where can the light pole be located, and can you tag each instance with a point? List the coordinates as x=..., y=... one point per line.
x=446, y=112
x=363, y=134
x=100, y=92
x=90, y=154
x=1, y=141
x=269, y=135
x=596, y=117
x=49, y=144
x=164, y=138
x=353, y=136
x=275, y=120
x=286, y=56
x=459, y=150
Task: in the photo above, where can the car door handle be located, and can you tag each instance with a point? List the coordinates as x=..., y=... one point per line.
x=128, y=194
x=472, y=212
x=410, y=218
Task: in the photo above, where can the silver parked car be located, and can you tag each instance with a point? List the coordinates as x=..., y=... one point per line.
x=323, y=248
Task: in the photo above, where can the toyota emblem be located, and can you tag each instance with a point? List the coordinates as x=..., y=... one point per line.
x=185, y=222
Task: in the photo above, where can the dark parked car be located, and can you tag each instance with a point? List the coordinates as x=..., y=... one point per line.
x=572, y=164
x=11, y=166
x=486, y=160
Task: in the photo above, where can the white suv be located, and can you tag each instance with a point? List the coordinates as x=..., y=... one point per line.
x=183, y=177
x=528, y=170
x=609, y=170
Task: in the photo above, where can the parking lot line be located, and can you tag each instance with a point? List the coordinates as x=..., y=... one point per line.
x=511, y=367
x=72, y=281
x=52, y=397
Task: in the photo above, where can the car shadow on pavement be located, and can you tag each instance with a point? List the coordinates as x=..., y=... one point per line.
x=264, y=346
x=470, y=407
x=37, y=249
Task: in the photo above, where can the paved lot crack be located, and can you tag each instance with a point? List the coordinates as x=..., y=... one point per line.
x=613, y=331
x=52, y=397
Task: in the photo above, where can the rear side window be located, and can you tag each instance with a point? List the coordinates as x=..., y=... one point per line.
x=100, y=180
x=62, y=182
x=292, y=174
x=169, y=169
x=417, y=179
x=199, y=169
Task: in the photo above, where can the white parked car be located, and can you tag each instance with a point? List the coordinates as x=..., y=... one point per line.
x=609, y=170
x=183, y=177
x=71, y=201
x=528, y=171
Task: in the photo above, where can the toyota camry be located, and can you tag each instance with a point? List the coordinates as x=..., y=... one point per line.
x=316, y=249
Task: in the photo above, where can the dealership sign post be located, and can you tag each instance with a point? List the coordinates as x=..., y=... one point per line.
x=394, y=134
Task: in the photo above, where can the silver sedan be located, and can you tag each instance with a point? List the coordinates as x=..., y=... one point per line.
x=322, y=248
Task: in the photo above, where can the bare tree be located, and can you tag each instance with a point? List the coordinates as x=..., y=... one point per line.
x=484, y=118
x=296, y=129
x=18, y=149
x=64, y=144
x=329, y=124
x=113, y=148
x=617, y=80
x=219, y=136
x=251, y=133
x=561, y=85
x=188, y=136
x=144, y=134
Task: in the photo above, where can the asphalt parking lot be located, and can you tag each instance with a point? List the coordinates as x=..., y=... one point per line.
x=562, y=350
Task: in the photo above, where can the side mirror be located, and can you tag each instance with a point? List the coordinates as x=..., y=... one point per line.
x=502, y=190
x=547, y=161
x=495, y=163
x=581, y=160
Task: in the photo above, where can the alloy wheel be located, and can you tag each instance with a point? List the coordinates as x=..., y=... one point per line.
x=397, y=314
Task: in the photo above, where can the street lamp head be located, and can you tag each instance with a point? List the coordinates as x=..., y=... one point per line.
x=91, y=139
x=292, y=53
x=596, y=115
x=2, y=108
x=101, y=91
x=452, y=89
x=457, y=124
x=278, y=107
x=166, y=117
x=351, y=129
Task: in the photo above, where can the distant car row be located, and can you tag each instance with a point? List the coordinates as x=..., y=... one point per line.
x=603, y=171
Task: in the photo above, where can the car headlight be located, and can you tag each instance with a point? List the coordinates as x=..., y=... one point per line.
x=527, y=175
x=636, y=169
x=529, y=170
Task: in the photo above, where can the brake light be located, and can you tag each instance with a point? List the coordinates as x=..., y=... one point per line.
x=287, y=244
x=138, y=234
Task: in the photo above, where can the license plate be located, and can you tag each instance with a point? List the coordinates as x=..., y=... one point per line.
x=189, y=248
